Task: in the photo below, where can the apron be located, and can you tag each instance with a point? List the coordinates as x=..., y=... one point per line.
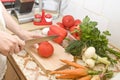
x=3, y=59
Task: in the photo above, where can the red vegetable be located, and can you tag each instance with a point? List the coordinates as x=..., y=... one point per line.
x=68, y=21
x=61, y=25
x=77, y=22
x=75, y=32
x=45, y=49
x=58, y=39
x=56, y=30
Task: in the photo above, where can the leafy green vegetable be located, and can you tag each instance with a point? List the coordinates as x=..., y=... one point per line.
x=75, y=47
x=91, y=36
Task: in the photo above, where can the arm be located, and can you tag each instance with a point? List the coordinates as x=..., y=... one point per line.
x=15, y=28
x=10, y=23
x=9, y=43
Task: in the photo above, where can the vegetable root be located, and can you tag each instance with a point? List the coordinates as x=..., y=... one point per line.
x=78, y=72
x=73, y=64
x=66, y=76
x=88, y=77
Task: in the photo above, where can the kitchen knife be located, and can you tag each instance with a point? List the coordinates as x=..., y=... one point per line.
x=38, y=40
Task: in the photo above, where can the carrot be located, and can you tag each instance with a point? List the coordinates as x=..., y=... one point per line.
x=66, y=76
x=88, y=77
x=73, y=64
x=78, y=72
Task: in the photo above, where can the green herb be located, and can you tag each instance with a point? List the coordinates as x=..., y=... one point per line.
x=108, y=74
x=92, y=36
x=75, y=47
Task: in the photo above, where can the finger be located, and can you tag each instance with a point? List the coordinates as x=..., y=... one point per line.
x=5, y=51
x=17, y=49
x=20, y=44
x=34, y=35
x=11, y=51
x=36, y=46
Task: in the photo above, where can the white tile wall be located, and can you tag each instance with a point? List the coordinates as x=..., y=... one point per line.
x=94, y=5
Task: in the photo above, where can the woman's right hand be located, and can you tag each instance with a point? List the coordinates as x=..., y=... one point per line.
x=10, y=44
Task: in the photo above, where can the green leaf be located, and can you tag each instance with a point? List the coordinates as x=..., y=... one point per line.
x=86, y=19
x=107, y=33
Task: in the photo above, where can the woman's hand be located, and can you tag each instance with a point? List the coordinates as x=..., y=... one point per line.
x=26, y=35
x=10, y=44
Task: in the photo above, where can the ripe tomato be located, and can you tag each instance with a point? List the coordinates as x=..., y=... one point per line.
x=45, y=49
x=68, y=21
x=77, y=22
x=75, y=32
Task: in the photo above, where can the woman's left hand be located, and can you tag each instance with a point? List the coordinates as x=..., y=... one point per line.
x=26, y=35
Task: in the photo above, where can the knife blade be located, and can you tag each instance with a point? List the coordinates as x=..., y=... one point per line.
x=38, y=40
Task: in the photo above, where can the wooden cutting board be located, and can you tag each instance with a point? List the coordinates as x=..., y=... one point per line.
x=53, y=62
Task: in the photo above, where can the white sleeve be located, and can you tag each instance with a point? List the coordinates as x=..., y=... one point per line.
x=3, y=59
x=2, y=22
x=3, y=66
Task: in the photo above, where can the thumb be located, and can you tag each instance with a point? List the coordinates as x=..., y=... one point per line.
x=35, y=35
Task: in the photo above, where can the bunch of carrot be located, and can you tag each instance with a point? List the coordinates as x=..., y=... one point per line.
x=78, y=73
